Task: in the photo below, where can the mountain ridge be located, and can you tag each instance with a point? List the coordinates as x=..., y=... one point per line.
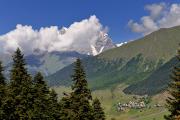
x=131, y=63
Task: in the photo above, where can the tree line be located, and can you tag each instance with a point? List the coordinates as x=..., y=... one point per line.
x=29, y=98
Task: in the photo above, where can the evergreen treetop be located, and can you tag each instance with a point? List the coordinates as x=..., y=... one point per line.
x=80, y=86
x=41, y=98
x=97, y=110
x=45, y=104
x=76, y=106
x=19, y=72
x=19, y=101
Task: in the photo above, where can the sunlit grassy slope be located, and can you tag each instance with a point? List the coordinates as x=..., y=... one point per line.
x=110, y=97
x=160, y=44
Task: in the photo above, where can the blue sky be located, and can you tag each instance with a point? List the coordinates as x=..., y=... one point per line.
x=115, y=14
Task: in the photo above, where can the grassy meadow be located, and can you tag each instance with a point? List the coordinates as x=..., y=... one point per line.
x=111, y=96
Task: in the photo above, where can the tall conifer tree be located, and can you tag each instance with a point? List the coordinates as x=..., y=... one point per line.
x=45, y=101
x=41, y=98
x=76, y=106
x=19, y=101
x=98, y=112
x=81, y=95
x=173, y=102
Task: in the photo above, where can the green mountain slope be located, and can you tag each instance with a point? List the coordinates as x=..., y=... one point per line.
x=102, y=73
x=161, y=44
x=131, y=63
x=156, y=82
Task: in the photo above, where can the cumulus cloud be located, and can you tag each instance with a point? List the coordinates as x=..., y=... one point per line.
x=160, y=15
x=77, y=35
x=156, y=9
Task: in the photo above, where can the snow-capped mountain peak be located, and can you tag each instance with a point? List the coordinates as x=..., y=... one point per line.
x=103, y=43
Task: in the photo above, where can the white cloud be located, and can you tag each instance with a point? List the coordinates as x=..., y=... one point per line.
x=160, y=16
x=156, y=9
x=77, y=35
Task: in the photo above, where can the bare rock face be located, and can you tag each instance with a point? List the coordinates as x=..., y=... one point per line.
x=102, y=43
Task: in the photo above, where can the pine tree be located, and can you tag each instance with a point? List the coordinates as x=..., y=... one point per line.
x=97, y=110
x=173, y=102
x=81, y=95
x=19, y=101
x=41, y=98
x=77, y=106
x=45, y=101
x=2, y=91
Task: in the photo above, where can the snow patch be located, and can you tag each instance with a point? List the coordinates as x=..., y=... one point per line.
x=101, y=49
x=120, y=44
x=94, y=51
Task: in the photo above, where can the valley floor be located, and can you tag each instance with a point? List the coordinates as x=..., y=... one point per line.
x=112, y=96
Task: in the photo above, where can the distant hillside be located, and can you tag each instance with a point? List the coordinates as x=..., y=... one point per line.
x=102, y=73
x=161, y=44
x=47, y=63
x=156, y=82
x=131, y=63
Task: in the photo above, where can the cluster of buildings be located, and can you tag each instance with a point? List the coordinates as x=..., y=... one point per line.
x=131, y=105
